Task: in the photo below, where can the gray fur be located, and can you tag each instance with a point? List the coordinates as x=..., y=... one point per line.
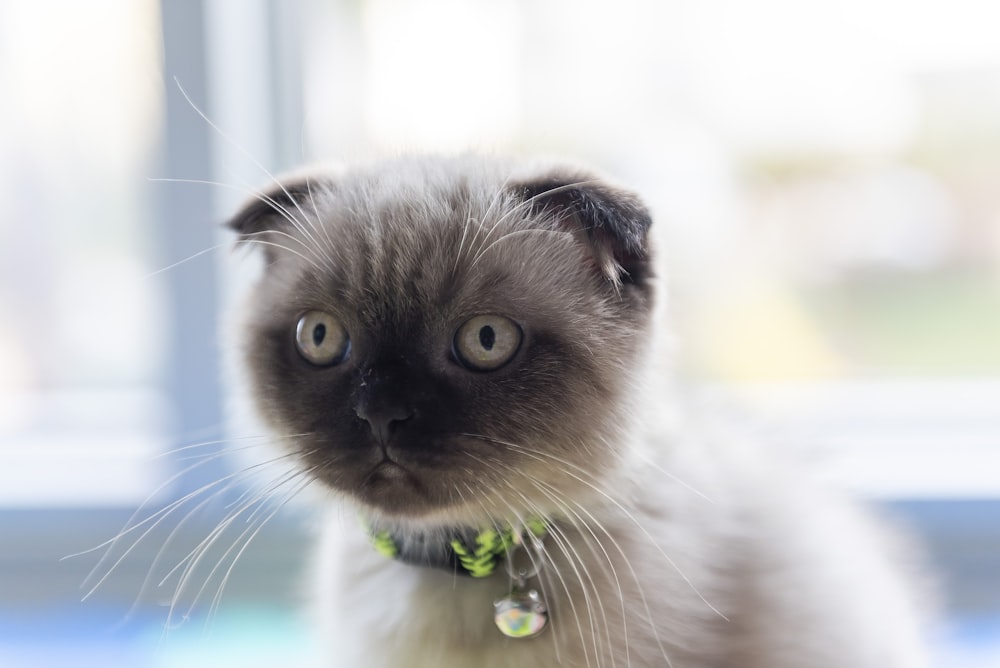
x=666, y=547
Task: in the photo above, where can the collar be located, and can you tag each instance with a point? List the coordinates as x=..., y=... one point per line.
x=459, y=550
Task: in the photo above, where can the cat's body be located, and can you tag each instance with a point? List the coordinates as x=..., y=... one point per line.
x=793, y=576
x=456, y=343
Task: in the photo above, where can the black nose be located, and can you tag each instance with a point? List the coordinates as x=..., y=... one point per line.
x=383, y=417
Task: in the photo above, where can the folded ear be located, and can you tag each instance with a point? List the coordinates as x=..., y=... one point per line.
x=613, y=223
x=271, y=217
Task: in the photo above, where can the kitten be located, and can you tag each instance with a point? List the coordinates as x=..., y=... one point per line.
x=464, y=352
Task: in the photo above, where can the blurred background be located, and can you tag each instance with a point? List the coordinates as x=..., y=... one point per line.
x=825, y=177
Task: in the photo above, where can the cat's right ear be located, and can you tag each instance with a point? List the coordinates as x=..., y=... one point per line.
x=271, y=217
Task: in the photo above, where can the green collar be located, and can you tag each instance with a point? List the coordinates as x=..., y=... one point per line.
x=463, y=551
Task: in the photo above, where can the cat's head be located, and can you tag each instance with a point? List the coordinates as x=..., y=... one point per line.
x=449, y=338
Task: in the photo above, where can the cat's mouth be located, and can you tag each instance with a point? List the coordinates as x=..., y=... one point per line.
x=389, y=470
x=391, y=486
x=405, y=478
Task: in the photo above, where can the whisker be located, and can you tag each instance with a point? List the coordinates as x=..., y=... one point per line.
x=302, y=225
x=324, y=229
x=484, y=251
x=249, y=192
x=528, y=203
x=130, y=526
x=224, y=524
x=626, y=513
x=263, y=442
x=569, y=597
x=189, y=258
x=574, y=558
x=469, y=220
x=579, y=524
x=158, y=517
x=283, y=247
x=500, y=194
x=649, y=461
x=232, y=142
x=251, y=532
x=169, y=540
x=628, y=563
x=538, y=455
x=260, y=525
x=581, y=572
x=191, y=562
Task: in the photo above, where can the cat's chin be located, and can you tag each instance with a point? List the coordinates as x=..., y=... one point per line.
x=391, y=489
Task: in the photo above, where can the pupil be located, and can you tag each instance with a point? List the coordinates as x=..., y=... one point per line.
x=487, y=337
x=319, y=333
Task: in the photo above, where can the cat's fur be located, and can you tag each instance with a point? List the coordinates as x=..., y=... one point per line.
x=665, y=547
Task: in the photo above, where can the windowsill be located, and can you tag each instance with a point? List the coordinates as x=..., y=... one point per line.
x=883, y=439
x=81, y=448
x=880, y=439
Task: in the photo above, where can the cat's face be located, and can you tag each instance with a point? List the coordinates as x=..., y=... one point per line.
x=448, y=338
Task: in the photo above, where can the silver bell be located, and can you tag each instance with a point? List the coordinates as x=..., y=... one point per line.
x=520, y=614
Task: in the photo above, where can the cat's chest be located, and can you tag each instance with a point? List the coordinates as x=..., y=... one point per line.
x=393, y=614
x=381, y=612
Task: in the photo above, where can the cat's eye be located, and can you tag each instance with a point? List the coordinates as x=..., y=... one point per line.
x=487, y=342
x=321, y=340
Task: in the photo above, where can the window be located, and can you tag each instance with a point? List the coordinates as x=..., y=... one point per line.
x=81, y=320
x=829, y=216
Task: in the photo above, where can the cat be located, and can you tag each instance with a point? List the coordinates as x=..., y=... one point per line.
x=465, y=353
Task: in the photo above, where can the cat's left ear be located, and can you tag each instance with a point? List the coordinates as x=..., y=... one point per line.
x=614, y=223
